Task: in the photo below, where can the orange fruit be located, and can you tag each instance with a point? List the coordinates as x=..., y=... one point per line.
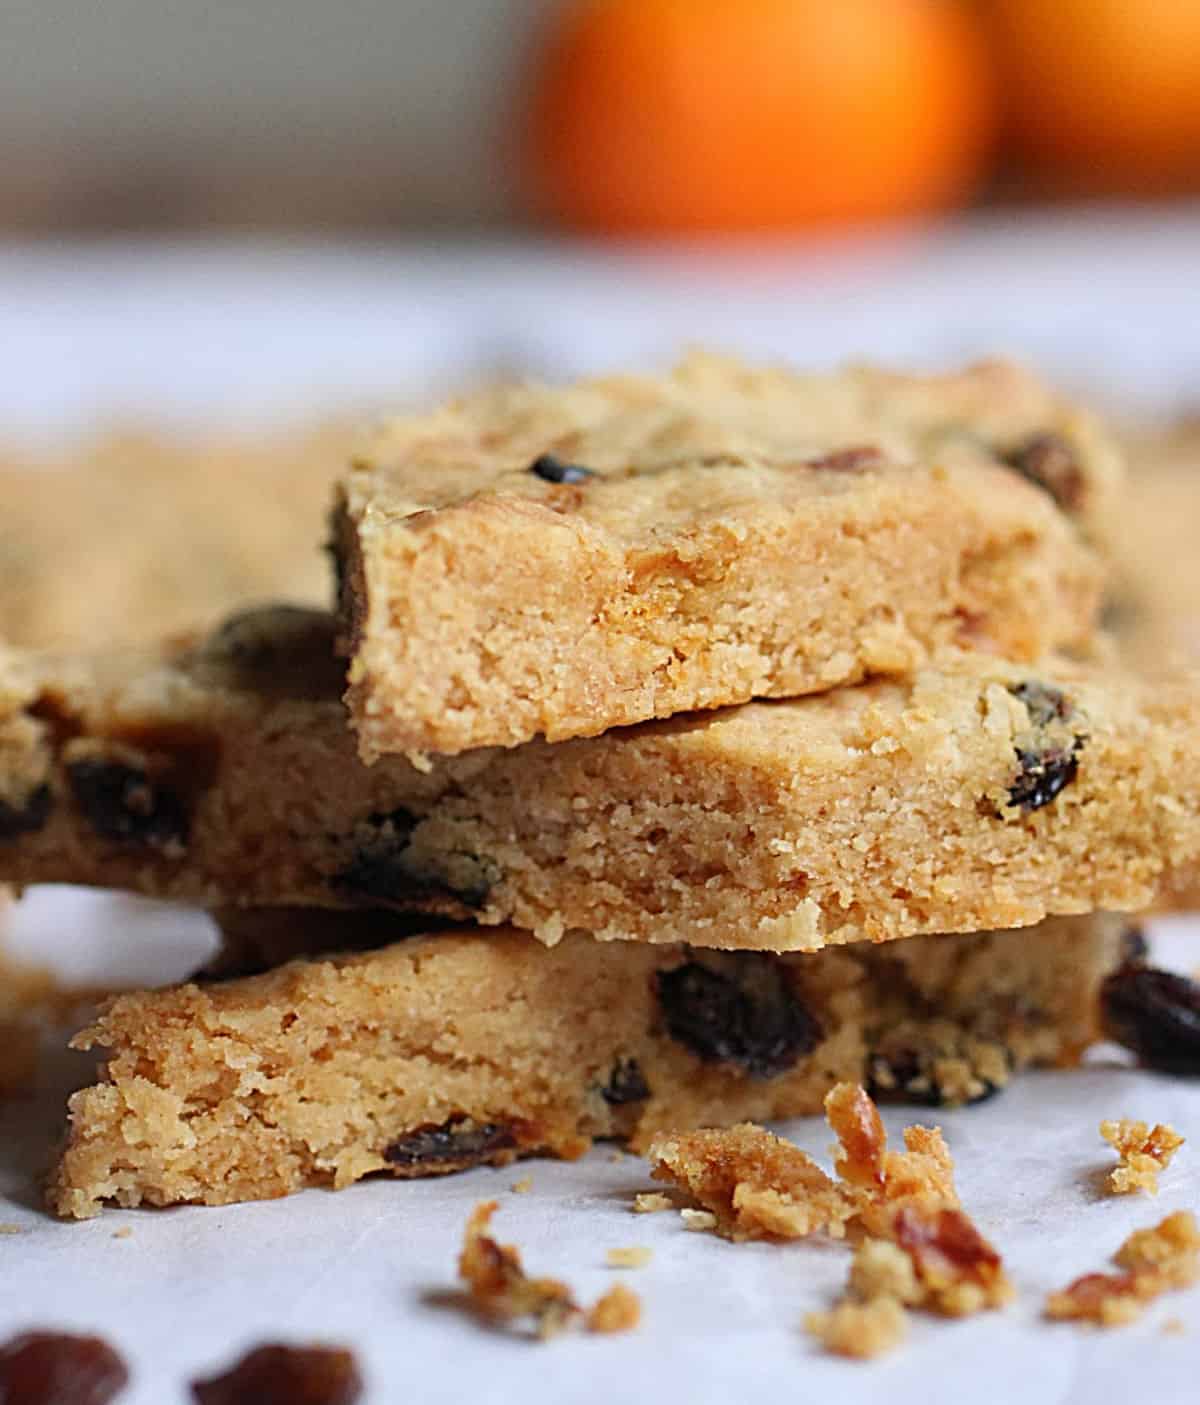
x=1103, y=96
x=694, y=116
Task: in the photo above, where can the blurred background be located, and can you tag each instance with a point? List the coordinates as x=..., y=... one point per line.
x=623, y=115
x=285, y=206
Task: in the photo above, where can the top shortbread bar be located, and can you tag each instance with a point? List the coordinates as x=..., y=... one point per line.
x=562, y=561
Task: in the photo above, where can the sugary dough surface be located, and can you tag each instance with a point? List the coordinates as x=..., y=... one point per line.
x=976, y=796
x=462, y=1047
x=560, y=561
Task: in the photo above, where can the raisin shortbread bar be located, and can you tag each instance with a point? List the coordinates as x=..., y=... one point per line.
x=537, y=561
x=985, y=796
x=444, y=1051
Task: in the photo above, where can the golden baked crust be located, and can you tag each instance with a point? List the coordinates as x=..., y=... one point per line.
x=444, y=1051
x=975, y=796
x=562, y=561
x=134, y=535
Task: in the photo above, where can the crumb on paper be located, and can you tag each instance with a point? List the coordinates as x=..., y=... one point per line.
x=123, y=1233
x=635, y=1256
x=523, y=1186
x=649, y=1202
x=759, y=1186
x=1174, y=1327
x=698, y=1220
x=618, y=1310
x=616, y=1156
x=503, y=1292
x=499, y=1286
x=11, y=1229
x=749, y=1183
x=1144, y=1152
x=883, y=1270
x=916, y=1246
x=1152, y=1261
x=862, y=1330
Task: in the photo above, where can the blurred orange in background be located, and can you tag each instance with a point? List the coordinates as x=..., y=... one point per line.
x=703, y=116
x=1103, y=96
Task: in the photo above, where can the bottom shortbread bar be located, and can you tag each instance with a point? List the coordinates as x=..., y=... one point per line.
x=454, y=1048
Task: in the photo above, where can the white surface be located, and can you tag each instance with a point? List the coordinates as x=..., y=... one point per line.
x=190, y=334
x=247, y=332
x=372, y=1266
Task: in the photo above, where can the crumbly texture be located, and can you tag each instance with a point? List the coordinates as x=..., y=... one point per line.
x=464, y=1047
x=563, y=561
x=1152, y=1262
x=698, y=1221
x=499, y=1287
x=90, y=539
x=502, y=1292
x=617, y=1310
x=925, y=1251
x=881, y=1269
x=756, y=1185
x=1144, y=1152
x=976, y=796
x=751, y=1184
x=862, y=1330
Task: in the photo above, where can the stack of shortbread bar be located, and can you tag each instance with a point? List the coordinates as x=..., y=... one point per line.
x=665, y=731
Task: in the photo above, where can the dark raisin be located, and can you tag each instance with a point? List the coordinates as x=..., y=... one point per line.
x=451, y=1145
x=374, y=873
x=1156, y=1014
x=1041, y=776
x=626, y=1084
x=909, y=1074
x=1134, y=946
x=281, y=650
x=27, y=818
x=121, y=802
x=1047, y=765
x=285, y=1375
x=738, y=1008
x=554, y=470
x=53, y=1368
x=382, y=869
x=1050, y=462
